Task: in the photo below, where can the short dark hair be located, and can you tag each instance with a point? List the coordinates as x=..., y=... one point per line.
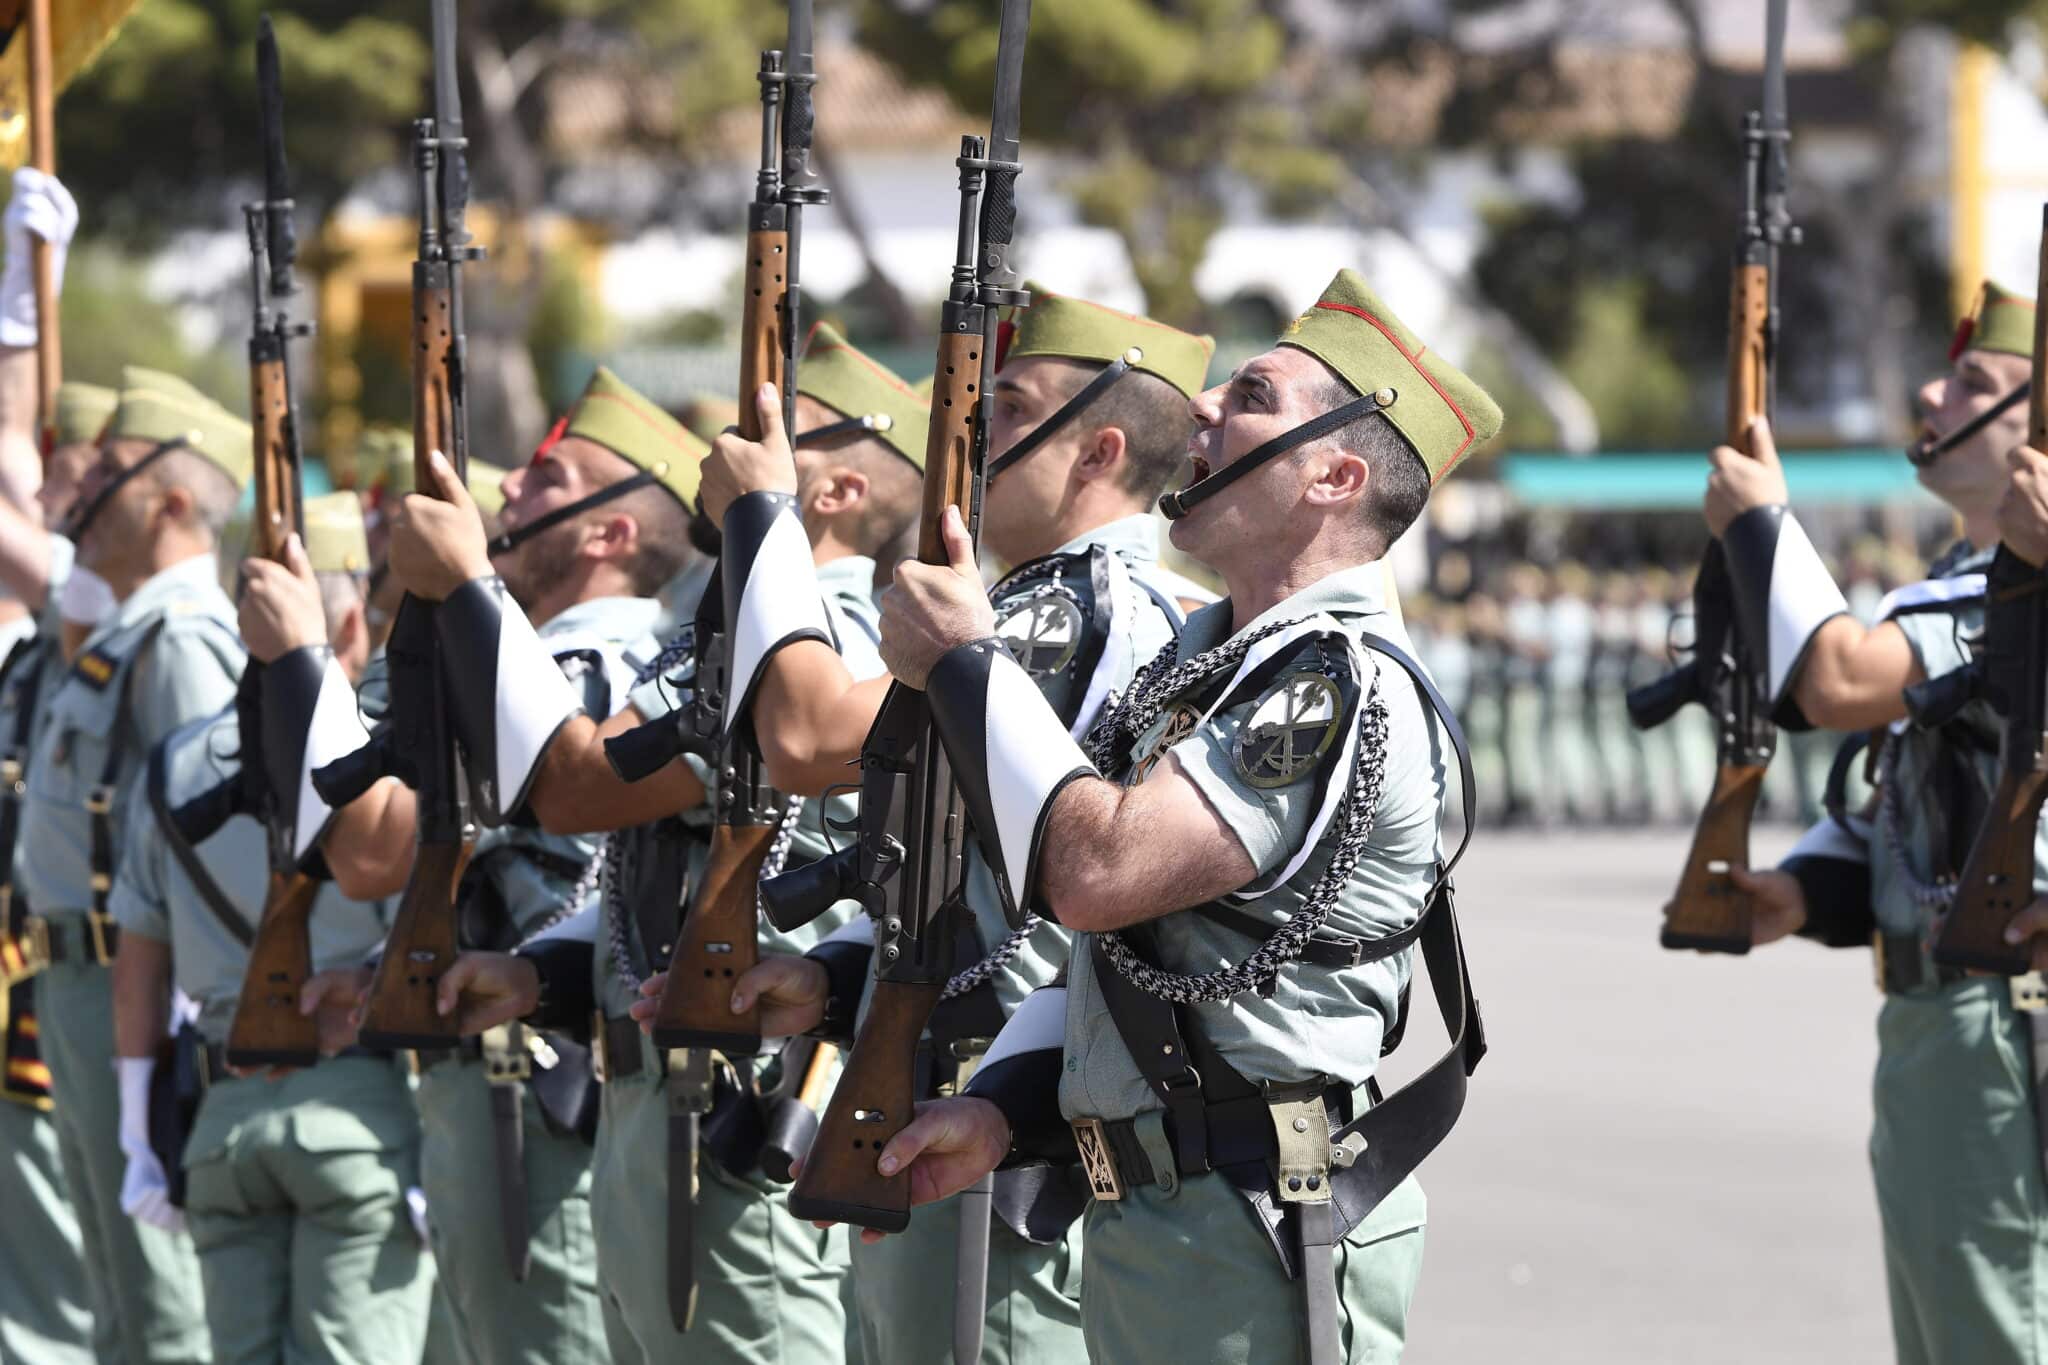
x=664, y=541
x=1155, y=418
x=894, y=498
x=1399, y=487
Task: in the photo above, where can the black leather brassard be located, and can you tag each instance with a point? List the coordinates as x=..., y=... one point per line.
x=568, y=995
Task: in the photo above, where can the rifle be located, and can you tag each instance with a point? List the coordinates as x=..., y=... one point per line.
x=2012, y=674
x=717, y=941
x=419, y=746
x=268, y=1029
x=1709, y=912
x=906, y=864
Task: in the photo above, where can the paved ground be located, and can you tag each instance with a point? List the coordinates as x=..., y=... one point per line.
x=1662, y=1161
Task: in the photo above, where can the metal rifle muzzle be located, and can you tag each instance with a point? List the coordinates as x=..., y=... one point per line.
x=798, y=896
x=349, y=776
x=1650, y=705
x=645, y=750
x=1937, y=701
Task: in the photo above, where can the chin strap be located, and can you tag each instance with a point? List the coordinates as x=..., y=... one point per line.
x=519, y=535
x=1179, y=504
x=1068, y=411
x=1925, y=453
x=873, y=421
x=82, y=515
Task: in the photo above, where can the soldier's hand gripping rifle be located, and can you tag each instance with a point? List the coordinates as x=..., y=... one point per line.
x=2012, y=674
x=419, y=745
x=1727, y=673
x=718, y=939
x=268, y=1029
x=905, y=866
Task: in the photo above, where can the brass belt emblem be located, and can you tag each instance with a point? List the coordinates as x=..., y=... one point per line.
x=1097, y=1159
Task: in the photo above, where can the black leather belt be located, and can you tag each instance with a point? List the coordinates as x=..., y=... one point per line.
x=84, y=937
x=1903, y=966
x=619, y=1038
x=1240, y=1132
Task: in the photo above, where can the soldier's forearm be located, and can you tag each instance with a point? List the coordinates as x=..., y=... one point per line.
x=577, y=792
x=820, y=714
x=369, y=846
x=142, y=995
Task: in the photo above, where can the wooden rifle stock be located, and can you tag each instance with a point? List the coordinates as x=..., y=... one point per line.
x=268, y=1029
x=1710, y=912
x=421, y=948
x=761, y=322
x=718, y=943
x=840, y=1181
x=1997, y=881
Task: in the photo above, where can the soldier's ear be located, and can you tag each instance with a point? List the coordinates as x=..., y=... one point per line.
x=1101, y=454
x=841, y=489
x=1341, y=477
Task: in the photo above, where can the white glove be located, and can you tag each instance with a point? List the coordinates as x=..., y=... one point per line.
x=43, y=207
x=85, y=599
x=145, y=1190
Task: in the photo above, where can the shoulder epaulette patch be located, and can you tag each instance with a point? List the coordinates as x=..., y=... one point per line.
x=96, y=668
x=1288, y=730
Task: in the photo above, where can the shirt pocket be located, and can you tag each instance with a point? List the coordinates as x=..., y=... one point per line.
x=82, y=732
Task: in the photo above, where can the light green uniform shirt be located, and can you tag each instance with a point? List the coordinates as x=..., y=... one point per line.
x=1914, y=839
x=1319, y=1020
x=187, y=673
x=847, y=585
x=155, y=898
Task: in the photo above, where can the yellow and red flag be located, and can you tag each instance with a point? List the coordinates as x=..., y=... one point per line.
x=79, y=30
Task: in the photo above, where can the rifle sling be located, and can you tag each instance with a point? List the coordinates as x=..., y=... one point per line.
x=210, y=892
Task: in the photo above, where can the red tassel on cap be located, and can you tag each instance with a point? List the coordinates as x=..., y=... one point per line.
x=1965, y=329
x=552, y=439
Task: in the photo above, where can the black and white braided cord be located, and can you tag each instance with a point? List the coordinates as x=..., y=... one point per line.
x=1130, y=716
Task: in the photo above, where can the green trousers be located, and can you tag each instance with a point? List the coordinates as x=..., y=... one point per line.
x=554, y=1314
x=143, y=1284
x=769, y=1287
x=44, y=1316
x=1187, y=1275
x=1955, y=1150
x=296, y=1200
x=903, y=1294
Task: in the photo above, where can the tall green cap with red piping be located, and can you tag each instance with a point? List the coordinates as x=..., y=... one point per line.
x=838, y=375
x=1999, y=320
x=1075, y=329
x=622, y=420
x=1435, y=405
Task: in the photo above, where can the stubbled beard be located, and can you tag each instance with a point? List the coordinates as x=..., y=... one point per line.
x=544, y=560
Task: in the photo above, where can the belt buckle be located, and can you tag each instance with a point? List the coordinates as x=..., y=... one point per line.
x=1097, y=1159
x=35, y=943
x=101, y=924
x=1877, y=960
x=2029, y=993
x=505, y=1061
x=599, y=1067
x=1301, y=1128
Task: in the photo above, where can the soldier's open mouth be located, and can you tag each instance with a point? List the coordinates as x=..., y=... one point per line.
x=1201, y=468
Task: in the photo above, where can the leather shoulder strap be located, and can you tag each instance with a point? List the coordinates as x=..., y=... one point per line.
x=188, y=858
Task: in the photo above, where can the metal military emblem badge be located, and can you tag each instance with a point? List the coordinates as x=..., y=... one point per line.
x=1291, y=727
x=1042, y=630
x=1175, y=724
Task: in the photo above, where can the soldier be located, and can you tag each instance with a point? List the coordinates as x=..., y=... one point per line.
x=1090, y=423
x=295, y=1183
x=594, y=526
x=1205, y=1044
x=765, y=1287
x=172, y=464
x=1955, y=1146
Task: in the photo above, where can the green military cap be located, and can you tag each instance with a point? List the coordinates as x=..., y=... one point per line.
x=1436, y=406
x=82, y=412
x=840, y=377
x=158, y=407
x=388, y=450
x=630, y=425
x=335, y=542
x=1999, y=320
x=707, y=416
x=1075, y=329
